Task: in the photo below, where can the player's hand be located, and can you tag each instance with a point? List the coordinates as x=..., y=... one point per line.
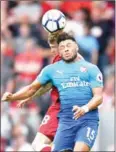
x=22, y=103
x=7, y=96
x=78, y=112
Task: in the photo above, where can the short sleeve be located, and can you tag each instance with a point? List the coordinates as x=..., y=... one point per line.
x=44, y=75
x=96, y=77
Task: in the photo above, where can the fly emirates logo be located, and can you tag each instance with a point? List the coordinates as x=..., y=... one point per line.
x=75, y=82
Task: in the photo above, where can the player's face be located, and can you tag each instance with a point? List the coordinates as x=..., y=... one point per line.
x=54, y=49
x=68, y=50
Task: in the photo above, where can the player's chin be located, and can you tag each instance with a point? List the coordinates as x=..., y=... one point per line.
x=68, y=59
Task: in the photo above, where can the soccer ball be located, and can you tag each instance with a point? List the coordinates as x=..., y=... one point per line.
x=53, y=20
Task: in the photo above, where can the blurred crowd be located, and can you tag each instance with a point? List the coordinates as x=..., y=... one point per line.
x=25, y=51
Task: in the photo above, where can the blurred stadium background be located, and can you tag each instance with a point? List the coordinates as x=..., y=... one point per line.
x=25, y=51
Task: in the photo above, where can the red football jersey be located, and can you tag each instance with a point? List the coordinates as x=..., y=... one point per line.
x=54, y=92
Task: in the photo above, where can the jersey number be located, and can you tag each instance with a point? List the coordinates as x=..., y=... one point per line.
x=90, y=134
x=45, y=120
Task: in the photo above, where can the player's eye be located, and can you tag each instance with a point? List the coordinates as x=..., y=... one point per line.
x=62, y=47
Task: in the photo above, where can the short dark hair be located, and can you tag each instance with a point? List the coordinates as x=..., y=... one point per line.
x=65, y=36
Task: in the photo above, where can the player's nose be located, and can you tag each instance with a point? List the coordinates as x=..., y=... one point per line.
x=66, y=50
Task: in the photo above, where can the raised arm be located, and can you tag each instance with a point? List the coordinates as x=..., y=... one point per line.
x=24, y=93
x=43, y=89
x=31, y=89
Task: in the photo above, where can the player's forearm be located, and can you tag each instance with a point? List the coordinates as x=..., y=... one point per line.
x=43, y=90
x=95, y=102
x=24, y=93
x=40, y=92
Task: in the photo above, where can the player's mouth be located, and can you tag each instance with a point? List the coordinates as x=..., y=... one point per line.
x=67, y=55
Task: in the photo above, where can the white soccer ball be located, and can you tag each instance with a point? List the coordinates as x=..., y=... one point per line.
x=53, y=20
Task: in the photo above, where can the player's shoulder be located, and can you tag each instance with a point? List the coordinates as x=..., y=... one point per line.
x=91, y=68
x=89, y=65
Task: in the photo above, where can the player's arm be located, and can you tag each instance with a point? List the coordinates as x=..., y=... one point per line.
x=43, y=89
x=96, y=100
x=24, y=93
x=96, y=82
x=92, y=104
x=29, y=90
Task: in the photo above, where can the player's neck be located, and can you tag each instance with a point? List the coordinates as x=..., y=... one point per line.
x=77, y=58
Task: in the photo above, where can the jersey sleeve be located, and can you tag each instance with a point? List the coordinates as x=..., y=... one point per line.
x=44, y=76
x=96, y=77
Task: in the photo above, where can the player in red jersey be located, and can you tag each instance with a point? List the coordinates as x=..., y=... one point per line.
x=48, y=127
